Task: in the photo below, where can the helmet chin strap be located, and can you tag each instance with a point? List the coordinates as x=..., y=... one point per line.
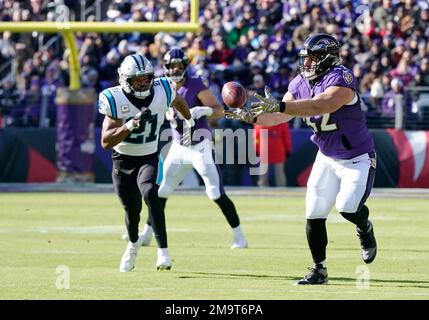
x=141, y=94
x=178, y=79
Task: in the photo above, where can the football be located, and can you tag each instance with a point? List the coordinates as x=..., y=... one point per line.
x=234, y=95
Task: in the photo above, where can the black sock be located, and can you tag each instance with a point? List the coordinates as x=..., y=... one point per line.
x=228, y=210
x=359, y=218
x=163, y=201
x=317, y=239
x=156, y=213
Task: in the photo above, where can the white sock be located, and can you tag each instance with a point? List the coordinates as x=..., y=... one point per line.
x=237, y=232
x=163, y=252
x=147, y=230
x=135, y=244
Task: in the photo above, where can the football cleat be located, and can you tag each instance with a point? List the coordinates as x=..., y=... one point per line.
x=129, y=257
x=163, y=262
x=240, y=243
x=368, y=243
x=317, y=275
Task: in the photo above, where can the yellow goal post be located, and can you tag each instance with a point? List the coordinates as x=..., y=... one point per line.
x=68, y=28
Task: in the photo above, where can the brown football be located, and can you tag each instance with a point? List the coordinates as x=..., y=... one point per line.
x=234, y=94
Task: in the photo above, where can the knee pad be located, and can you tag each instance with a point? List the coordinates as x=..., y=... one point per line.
x=213, y=192
x=347, y=204
x=317, y=208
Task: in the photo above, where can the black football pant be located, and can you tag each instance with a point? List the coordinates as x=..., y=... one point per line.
x=134, y=178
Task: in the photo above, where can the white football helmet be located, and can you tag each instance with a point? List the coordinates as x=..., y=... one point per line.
x=136, y=65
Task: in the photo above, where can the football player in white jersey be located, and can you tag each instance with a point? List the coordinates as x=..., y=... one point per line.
x=183, y=157
x=134, y=112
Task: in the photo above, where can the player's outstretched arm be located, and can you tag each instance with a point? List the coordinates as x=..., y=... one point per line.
x=209, y=100
x=327, y=102
x=181, y=105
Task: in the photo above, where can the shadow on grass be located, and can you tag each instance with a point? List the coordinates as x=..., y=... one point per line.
x=342, y=281
x=193, y=275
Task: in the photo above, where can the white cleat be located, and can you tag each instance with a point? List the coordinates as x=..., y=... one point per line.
x=239, y=244
x=145, y=239
x=163, y=262
x=129, y=257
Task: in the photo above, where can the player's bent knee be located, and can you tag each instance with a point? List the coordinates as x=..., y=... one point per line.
x=348, y=207
x=213, y=193
x=149, y=191
x=317, y=208
x=347, y=203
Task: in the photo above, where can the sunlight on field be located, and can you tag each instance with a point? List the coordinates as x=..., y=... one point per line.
x=47, y=237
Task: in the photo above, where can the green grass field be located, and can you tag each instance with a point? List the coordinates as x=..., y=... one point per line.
x=41, y=231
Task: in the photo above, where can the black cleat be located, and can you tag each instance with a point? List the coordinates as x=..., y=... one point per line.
x=367, y=243
x=318, y=275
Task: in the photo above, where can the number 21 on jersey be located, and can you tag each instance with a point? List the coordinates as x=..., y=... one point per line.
x=146, y=133
x=323, y=125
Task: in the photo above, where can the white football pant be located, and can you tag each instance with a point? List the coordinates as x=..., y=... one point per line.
x=181, y=159
x=345, y=183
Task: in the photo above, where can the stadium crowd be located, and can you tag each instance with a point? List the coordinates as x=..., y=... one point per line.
x=384, y=42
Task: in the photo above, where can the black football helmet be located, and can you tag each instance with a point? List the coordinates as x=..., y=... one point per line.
x=324, y=50
x=175, y=55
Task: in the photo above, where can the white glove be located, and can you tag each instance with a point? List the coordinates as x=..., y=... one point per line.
x=190, y=122
x=198, y=112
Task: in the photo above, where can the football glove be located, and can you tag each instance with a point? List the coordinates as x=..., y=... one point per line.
x=200, y=111
x=240, y=114
x=141, y=117
x=267, y=104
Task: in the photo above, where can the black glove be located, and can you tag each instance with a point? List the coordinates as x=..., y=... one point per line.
x=143, y=116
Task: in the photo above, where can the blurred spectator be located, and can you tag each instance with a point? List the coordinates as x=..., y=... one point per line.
x=394, y=44
x=303, y=31
x=422, y=76
x=196, y=52
x=32, y=102
x=109, y=69
x=396, y=96
x=9, y=102
x=279, y=81
x=278, y=146
x=239, y=29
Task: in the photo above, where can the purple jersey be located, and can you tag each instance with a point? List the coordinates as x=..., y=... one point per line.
x=341, y=134
x=189, y=91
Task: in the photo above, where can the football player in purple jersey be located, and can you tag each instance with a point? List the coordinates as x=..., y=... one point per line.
x=325, y=95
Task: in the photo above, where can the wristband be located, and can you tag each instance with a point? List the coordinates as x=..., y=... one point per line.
x=282, y=106
x=130, y=125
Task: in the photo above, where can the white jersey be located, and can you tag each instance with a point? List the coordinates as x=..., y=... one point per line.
x=141, y=141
